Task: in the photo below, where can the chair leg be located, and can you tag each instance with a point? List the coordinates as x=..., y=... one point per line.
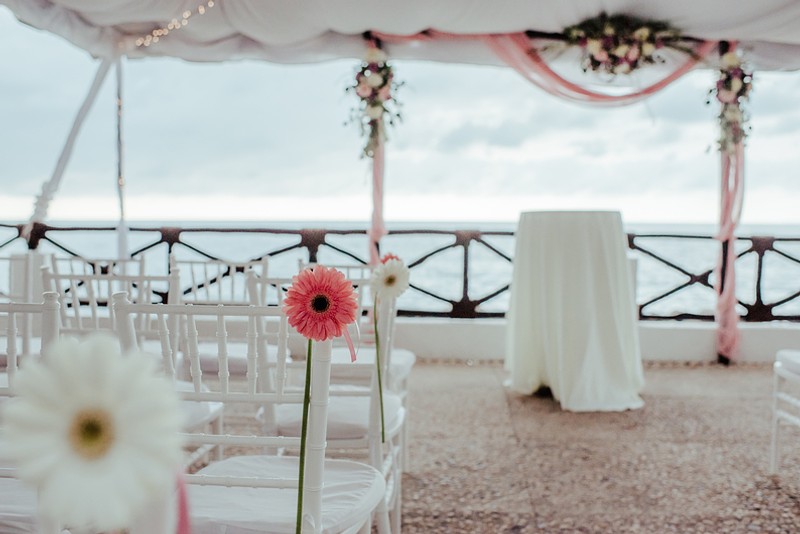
x=773, y=447
x=404, y=431
x=382, y=516
x=396, y=515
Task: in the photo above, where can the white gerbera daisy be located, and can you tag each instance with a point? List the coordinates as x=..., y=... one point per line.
x=390, y=279
x=95, y=432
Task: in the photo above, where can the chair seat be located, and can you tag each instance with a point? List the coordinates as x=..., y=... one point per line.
x=350, y=492
x=402, y=360
x=790, y=359
x=348, y=417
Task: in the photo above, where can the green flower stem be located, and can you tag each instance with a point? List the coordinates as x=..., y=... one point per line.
x=303, y=431
x=378, y=363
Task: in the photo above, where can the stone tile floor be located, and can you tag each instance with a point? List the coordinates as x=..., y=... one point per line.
x=694, y=459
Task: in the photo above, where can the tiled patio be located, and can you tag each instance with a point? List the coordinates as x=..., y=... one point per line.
x=694, y=459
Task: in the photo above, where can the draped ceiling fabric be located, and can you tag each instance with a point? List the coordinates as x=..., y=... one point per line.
x=767, y=31
x=319, y=30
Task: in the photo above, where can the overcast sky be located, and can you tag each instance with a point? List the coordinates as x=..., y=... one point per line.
x=250, y=140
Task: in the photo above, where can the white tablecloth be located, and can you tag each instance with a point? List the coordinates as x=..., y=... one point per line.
x=572, y=321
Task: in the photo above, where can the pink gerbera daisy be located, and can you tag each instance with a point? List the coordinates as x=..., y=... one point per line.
x=320, y=303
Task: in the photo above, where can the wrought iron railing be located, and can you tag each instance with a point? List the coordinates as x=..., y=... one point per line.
x=467, y=273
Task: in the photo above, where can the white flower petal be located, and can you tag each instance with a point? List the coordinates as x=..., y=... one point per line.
x=390, y=279
x=105, y=492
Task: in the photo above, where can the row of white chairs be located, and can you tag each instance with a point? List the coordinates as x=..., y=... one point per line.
x=88, y=288
x=205, y=500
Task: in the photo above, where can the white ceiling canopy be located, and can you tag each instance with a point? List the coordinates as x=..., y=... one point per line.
x=317, y=30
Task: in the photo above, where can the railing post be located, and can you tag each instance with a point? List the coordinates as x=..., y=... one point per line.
x=37, y=232
x=311, y=239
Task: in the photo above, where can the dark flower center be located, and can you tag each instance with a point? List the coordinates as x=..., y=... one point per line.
x=320, y=303
x=390, y=280
x=91, y=433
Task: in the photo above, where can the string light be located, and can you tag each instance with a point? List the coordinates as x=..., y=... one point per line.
x=173, y=25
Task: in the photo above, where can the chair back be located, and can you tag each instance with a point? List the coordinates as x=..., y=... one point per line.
x=18, y=284
x=250, y=393
x=210, y=281
x=86, y=296
x=12, y=313
x=78, y=265
x=266, y=291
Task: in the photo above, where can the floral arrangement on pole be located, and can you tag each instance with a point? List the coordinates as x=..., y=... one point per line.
x=319, y=304
x=620, y=44
x=96, y=432
x=375, y=87
x=389, y=280
x=731, y=90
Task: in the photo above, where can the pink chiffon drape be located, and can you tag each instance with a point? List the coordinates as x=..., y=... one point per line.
x=516, y=51
x=731, y=196
x=377, y=229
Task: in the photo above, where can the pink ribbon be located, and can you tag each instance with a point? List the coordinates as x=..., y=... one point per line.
x=350, y=345
x=184, y=525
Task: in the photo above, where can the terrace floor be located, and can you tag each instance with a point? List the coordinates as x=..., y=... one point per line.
x=694, y=459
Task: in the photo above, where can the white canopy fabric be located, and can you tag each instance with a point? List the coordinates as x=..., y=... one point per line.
x=317, y=30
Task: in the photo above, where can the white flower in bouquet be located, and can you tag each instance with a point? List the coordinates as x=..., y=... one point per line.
x=642, y=33
x=621, y=50
x=648, y=49
x=95, y=432
x=729, y=60
x=736, y=85
x=390, y=279
x=622, y=68
x=375, y=111
x=375, y=55
x=375, y=80
x=593, y=46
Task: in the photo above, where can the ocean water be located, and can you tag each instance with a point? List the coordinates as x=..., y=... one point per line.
x=442, y=274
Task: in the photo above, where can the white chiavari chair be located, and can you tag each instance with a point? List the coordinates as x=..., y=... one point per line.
x=18, y=283
x=11, y=317
x=253, y=493
x=399, y=361
x=18, y=507
x=354, y=414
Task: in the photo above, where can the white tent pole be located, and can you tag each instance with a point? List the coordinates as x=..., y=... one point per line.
x=122, y=229
x=50, y=187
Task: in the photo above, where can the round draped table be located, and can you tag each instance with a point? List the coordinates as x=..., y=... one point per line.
x=572, y=320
